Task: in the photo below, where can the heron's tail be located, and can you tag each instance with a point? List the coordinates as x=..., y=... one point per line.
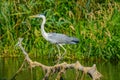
x=74, y=40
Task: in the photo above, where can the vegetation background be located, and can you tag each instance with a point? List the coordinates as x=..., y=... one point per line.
x=95, y=22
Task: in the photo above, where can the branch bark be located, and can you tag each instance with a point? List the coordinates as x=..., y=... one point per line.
x=60, y=68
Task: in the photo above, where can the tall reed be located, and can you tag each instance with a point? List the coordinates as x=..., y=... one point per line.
x=95, y=22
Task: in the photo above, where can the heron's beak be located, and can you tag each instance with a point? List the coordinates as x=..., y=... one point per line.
x=33, y=16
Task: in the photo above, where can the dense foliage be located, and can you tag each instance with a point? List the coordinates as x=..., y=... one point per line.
x=95, y=22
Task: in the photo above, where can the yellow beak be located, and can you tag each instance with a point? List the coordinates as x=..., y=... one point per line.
x=33, y=16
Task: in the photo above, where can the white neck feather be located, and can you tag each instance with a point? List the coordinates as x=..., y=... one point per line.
x=44, y=34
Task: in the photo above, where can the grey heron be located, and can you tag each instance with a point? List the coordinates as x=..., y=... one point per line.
x=56, y=38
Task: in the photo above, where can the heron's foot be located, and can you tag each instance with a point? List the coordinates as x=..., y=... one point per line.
x=59, y=58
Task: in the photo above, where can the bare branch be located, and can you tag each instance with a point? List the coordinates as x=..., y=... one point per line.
x=61, y=68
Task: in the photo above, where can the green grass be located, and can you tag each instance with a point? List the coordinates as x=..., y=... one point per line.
x=95, y=23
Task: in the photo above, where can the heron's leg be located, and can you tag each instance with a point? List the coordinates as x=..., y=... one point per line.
x=58, y=50
x=63, y=49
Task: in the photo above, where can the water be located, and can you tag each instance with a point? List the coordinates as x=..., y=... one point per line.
x=8, y=67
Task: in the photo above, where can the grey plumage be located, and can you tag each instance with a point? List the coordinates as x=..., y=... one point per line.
x=57, y=38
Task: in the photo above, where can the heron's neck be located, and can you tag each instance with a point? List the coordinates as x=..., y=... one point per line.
x=44, y=34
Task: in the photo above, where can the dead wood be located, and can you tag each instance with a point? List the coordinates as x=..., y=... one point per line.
x=60, y=68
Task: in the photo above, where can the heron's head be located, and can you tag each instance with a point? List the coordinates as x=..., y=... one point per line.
x=37, y=16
